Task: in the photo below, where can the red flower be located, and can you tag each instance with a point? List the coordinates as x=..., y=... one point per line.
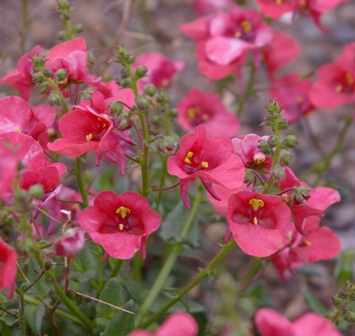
x=160, y=69
x=89, y=127
x=211, y=160
x=177, y=324
x=292, y=93
x=120, y=223
x=258, y=222
x=8, y=267
x=8, y=170
x=279, y=52
x=21, y=77
x=271, y=323
x=276, y=8
x=207, y=109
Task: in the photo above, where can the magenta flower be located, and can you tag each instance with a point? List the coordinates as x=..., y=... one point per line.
x=207, y=109
x=120, y=223
x=8, y=170
x=160, y=69
x=21, y=77
x=90, y=127
x=211, y=160
x=7, y=266
x=258, y=222
x=292, y=93
x=276, y=8
x=177, y=324
x=271, y=323
x=70, y=243
x=18, y=116
x=71, y=56
x=279, y=52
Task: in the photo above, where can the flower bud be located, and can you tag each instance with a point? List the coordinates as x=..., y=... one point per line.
x=36, y=191
x=124, y=124
x=162, y=98
x=124, y=83
x=350, y=317
x=286, y=157
x=290, y=141
x=157, y=120
x=264, y=146
x=142, y=103
x=54, y=99
x=167, y=146
x=70, y=243
x=141, y=71
x=61, y=74
x=38, y=78
x=282, y=125
x=125, y=72
x=273, y=141
x=279, y=173
x=115, y=108
x=336, y=300
x=173, y=112
x=150, y=90
x=48, y=73
x=43, y=88
x=78, y=28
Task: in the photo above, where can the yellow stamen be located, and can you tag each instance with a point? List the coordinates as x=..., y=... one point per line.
x=246, y=26
x=192, y=112
x=89, y=137
x=99, y=119
x=307, y=243
x=278, y=2
x=289, y=235
x=123, y=211
x=188, y=156
x=18, y=130
x=75, y=206
x=237, y=34
x=255, y=221
x=121, y=227
x=205, y=117
x=256, y=203
x=259, y=158
x=204, y=164
x=349, y=79
x=339, y=88
x=299, y=100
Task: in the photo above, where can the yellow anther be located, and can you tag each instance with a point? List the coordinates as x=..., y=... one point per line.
x=192, y=112
x=99, y=119
x=255, y=221
x=246, y=26
x=204, y=164
x=75, y=206
x=299, y=100
x=256, y=203
x=289, y=235
x=237, y=34
x=205, y=117
x=258, y=158
x=188, y=156
x=123, y=211
x=18, y=130
x=278, y=2
x=339, y=88
x=307, y=243
x=349, y=79
x=89, y=137
x=121, y=227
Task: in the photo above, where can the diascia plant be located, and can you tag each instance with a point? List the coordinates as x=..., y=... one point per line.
x=118, y=201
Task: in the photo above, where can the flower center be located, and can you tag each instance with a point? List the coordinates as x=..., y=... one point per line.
x=188, y=157
x=256, y=204
x=258, y=158
x=278, y=2
x=246, y=26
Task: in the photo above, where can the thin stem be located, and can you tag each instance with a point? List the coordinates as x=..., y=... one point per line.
x=79, y=179
x=248, y=90
x=195, y=281
x=169, y=262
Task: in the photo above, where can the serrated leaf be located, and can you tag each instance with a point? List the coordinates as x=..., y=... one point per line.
x=112, y=293
x=8, y=319
x=34, y=316
x=122, y=323
x=313, y=303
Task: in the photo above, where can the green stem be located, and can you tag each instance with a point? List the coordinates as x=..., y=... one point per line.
x=59, y=312
x=54, y=86
x=162, y=181
x=21, y=320
x=169, y=262
x=337, y=148
x=79, y=179
x=195, y=281
x=248, y=90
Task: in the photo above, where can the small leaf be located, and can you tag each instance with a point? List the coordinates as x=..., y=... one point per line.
x=34, y=316
x=8, y=319
x=112, y=293
x=313, y=303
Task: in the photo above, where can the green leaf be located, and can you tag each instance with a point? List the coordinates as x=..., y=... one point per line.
x=122, y=323
x=313, y=303
x=8, y=319
x=34, y=316
x=112, y=293
x=344, y=267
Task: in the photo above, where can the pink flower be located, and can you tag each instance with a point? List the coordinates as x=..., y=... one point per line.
x=211, y=160
x=90, y=127
x=276, y=8
x=70, y=243
x=7, y=266
x=71, y=56
x=247, y=148
x=271, y=323
x=292, y=93
x=8, y=170
x=177, y=324
x=18, y=116
x=203, y=7
x=258, y=222
x=120, y=223
x=279, y=52
x=21, y=77
x=160, y=69
x=207, y=109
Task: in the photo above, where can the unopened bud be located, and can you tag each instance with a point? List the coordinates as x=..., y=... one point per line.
x=290, y=141
x=43, y=88
x=167, y=146
x=264, y=146
x=124, y=83
x=141, y=71
x=279, y=173
x=116, y=108
x=286, y=157
x=38, y=78
x=173, y=112
x=78, y=28
x=61, y=74
x=336, y=300
x=157, y=120
x=282, y=125
x=150, y=90
x=48, y=73
x=124, y=124
x=259, y=158
x=142, y=103
x=54, y=99
x=273, y=141
x=36, y=191
x=125, y=72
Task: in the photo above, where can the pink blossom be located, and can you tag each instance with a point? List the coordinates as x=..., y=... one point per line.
x=160, y=69
x=276, y=8
x=203, y=7
x=21, y=77
x=177, y=324
x=120, y=223
x=207, y=109
x=70, y=243
x=8, y=169
x=7, y=266
x=292, y=93
x=271, y=323
x=258, y=222
x=210, y=159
